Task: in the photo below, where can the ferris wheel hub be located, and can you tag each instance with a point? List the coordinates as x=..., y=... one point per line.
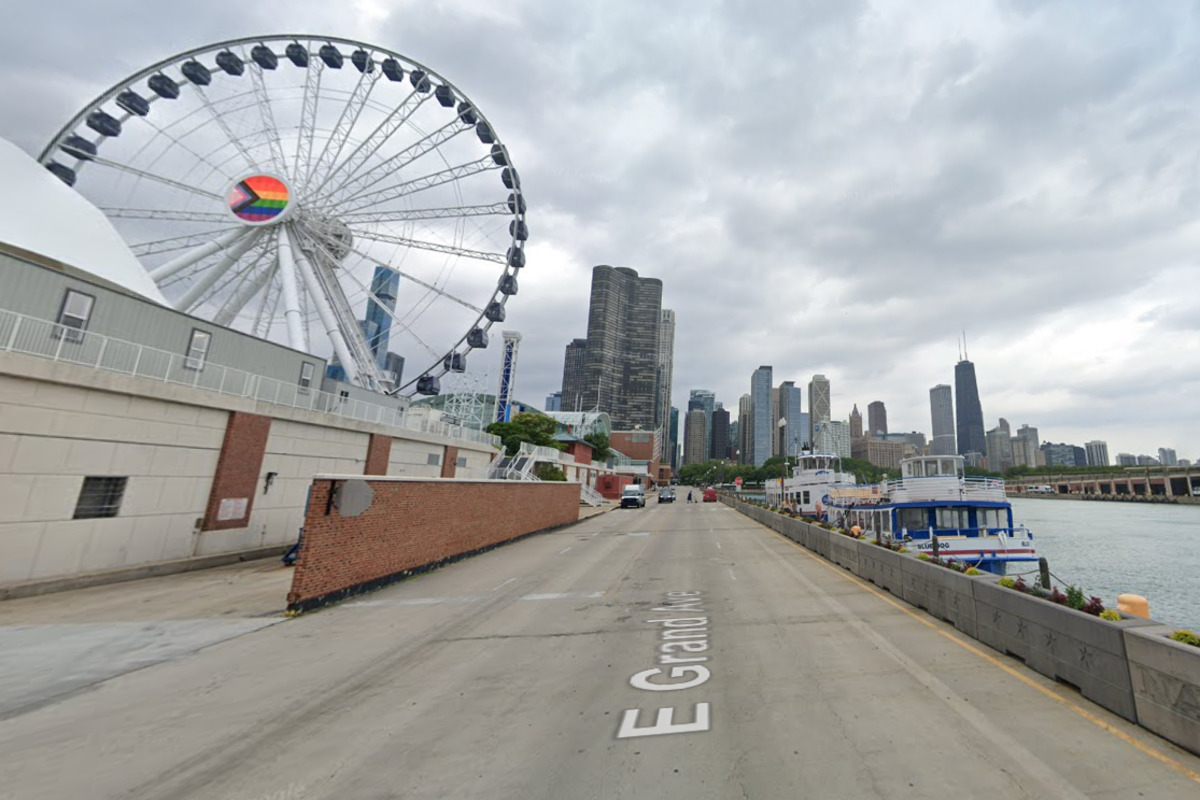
x=259, y=199
x=334, y=236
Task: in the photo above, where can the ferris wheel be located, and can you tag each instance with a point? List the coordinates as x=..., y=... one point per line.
x=321, y=192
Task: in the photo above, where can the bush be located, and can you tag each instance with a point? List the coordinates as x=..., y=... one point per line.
x=1187, y=637
x=1008, y=583
x=1020, y=585
x=1111, y=615
x=1093, y=606
x=1075, y=597
x=923, y=556
x=973, y=571
x=1058, y=597
x=549, y=472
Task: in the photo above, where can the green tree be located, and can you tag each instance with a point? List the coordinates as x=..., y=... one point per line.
x=549, y=472
x=600, y=446
x=536, y=429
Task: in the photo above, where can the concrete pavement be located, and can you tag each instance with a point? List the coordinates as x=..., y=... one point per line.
x=671, y=651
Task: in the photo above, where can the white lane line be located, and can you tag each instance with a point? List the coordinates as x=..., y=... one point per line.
x=732, y=577
x=565, y=549
x=718, y=545
x=640, y=533
x=506, y=583
x=561, y=595
x=416, y=601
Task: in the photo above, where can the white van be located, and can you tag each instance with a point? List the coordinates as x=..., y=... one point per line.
x=633, y=496
x=1040, y=490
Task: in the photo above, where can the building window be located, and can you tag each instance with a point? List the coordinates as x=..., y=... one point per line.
x=306, y=377
x=462, y=461
x=197, y=352
x=100, y=497
x=433, y=459
x=74, y=315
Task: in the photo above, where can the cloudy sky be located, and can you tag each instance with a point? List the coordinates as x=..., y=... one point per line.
x=826, y=186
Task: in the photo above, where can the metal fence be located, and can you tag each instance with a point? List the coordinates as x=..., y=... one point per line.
x=38, y=337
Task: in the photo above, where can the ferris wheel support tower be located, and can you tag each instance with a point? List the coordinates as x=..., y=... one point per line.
x=508, y=375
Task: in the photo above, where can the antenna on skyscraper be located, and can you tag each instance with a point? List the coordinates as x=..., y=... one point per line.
x=965, y=357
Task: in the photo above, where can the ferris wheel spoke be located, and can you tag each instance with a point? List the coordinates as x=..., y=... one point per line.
x=253, y=281
x=173, y=243
x=400, y=160
x=345, y=124
x=202, y=251
x=433, y=247
x=366, y=150
x=219, y=118
x=178, y=143
x=421, y=184
x=151, y=176
x=168, y=215
x=195, y=293
x=308, y=120
x=268, y=118
x=410, y=214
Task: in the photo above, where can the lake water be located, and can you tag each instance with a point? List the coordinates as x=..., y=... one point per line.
x=1110, y=548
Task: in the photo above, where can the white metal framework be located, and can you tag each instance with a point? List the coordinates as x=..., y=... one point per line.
x=508, y=376
x=262, y=181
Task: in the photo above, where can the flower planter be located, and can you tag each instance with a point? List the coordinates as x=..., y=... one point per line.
x=944, y=593
x=1059, y=642
x=882, y=567
x=1166, y=684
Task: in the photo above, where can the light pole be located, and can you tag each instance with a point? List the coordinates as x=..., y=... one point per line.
x=783, y=442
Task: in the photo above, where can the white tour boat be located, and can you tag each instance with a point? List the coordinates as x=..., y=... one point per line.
x=813, y=476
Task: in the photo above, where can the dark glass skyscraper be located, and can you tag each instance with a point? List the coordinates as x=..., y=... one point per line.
x=620, y=371
x=384, y=285
x=572, y=384
x=969, y=413
x=718, y=446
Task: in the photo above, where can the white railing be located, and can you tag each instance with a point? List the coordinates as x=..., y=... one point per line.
x=947, y=487
x=38, y=337
x=590, y=496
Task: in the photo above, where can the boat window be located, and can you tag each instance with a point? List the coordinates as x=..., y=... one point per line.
x=805, y=497
x=914, y=519
x=989, y=518
x=952, y=518
x=885, y=522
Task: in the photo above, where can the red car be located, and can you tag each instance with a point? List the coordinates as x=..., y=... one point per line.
x=710, y=495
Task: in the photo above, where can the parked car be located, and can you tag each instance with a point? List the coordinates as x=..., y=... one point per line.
x=710, y=495
x=633, y=497
x=666, y=495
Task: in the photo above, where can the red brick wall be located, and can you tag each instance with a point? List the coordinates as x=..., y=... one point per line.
x=379, y=451
x=238, y=468
x=449, y=462
x=415, y=524
x=581, y=452
x=611, y=485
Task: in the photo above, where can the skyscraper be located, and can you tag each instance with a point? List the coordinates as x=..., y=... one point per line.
x=1025, y=447
x=792, y=436
x=856, y=429
x=876, y=418
x=572, y=385
x=941, y=408
x=1097, y=453
x=707, y=401
x=666, y=360
x=745, y=430
x=718, y=446
x=622, y=355
x=554, y=401
x=760, y=401
x=819, y=404
x=1168, y=457
x=385, y=284
x=968, y=410
x=999, y=450
x=693, y=437
x=832, y=437
x=674, y=433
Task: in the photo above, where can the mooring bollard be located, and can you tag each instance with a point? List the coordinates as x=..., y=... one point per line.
x=1044, y=568
x=934, y=541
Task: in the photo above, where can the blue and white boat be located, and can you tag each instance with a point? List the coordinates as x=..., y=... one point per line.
x=806, y=491
x=970, y=516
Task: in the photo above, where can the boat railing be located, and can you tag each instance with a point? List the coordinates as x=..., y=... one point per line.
x=945, y=487
x=1015, y=532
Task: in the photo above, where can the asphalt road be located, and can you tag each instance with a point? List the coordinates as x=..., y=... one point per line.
x=672, y=651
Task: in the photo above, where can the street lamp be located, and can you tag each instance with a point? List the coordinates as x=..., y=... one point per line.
x=783, y=441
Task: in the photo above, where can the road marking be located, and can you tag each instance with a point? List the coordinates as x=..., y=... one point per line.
x=565, y=549
x=416, y=601
x=640, y=533
x=731, y=575
x=1080, y=710
x=561, y=595
x=506, y=583
x=718, y=545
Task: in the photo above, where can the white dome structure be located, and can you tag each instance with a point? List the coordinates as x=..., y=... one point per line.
x=43, y=218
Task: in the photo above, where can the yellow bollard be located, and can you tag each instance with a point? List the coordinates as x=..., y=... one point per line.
x=1133, y=604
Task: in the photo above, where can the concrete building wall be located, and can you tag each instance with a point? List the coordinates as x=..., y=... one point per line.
x=412, y=459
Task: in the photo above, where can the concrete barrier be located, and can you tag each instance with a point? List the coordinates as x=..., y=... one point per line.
x=882, y=567
x=1165, y=675
x=843, y=551
x=944, y=593
x=1060, y=643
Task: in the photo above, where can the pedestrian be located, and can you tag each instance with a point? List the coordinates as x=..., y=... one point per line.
x=689, y=495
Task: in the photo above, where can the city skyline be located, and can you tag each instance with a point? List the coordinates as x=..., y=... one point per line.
x=614, y=175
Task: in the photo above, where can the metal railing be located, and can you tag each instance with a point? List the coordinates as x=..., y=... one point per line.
x=590, y=496
x=38, y=337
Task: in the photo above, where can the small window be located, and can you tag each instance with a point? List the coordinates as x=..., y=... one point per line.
x=306, y=377
x=433, y=459
x=197, y=352
x=100, y=497
x=462, y=461
x=74, y=315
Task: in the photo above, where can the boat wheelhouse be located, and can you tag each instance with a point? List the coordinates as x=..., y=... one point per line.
x=807, y=490
x=970, y=516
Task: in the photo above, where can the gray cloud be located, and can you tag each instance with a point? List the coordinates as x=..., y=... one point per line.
x=823, y=186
